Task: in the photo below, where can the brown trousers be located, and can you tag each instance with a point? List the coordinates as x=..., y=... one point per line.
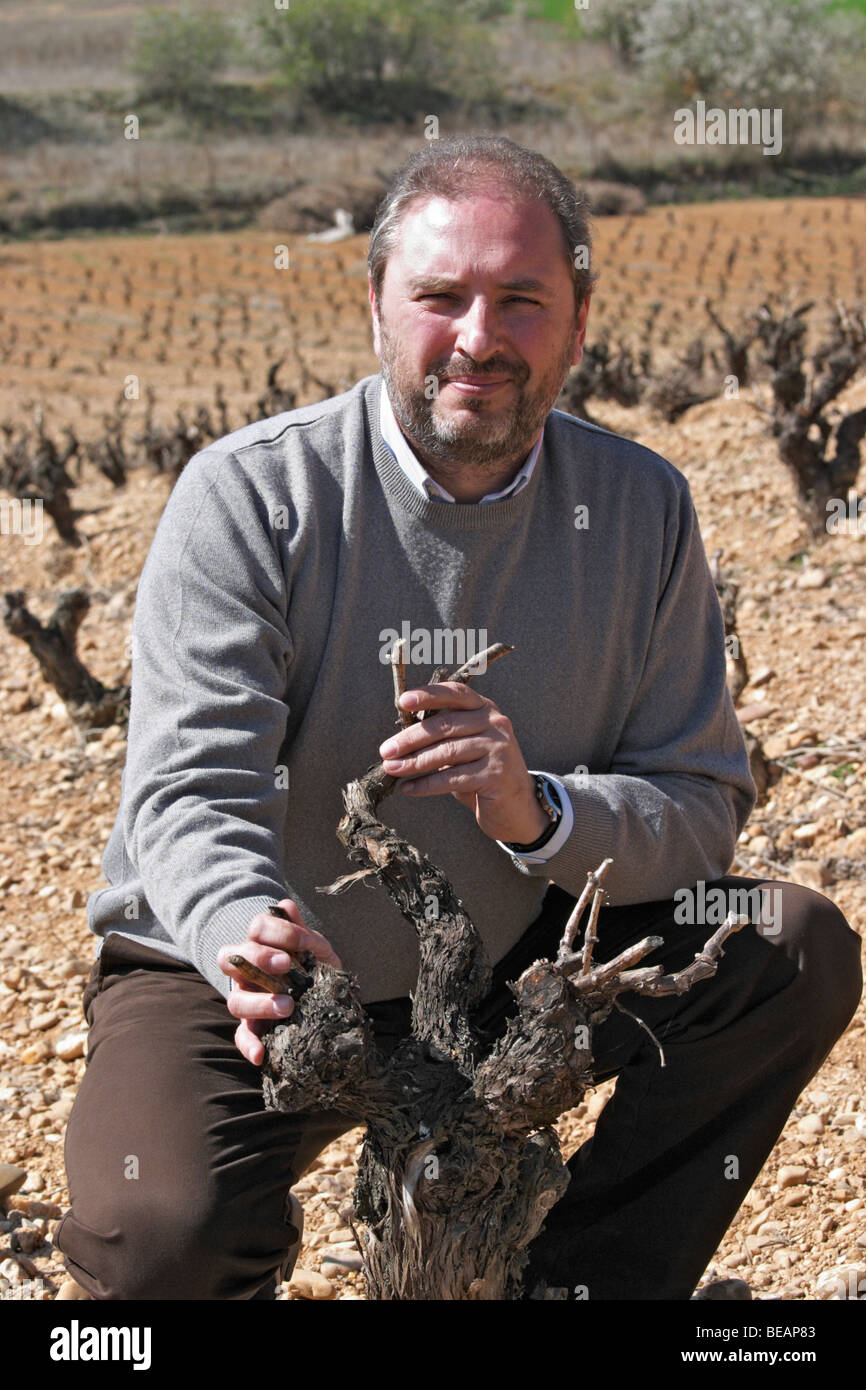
x=180, y=1179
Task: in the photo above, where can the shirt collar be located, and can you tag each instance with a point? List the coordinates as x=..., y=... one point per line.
x=417, y=473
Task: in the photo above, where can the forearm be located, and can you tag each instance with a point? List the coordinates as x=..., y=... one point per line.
x=663, y=833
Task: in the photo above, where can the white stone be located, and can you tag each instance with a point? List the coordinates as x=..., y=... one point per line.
x=812, y=578
x=846, y=1281
x=811, y=1124
x=68, y=1046
x=70, y=1290
x=791, y=1175
x=341, y=1236
x=309, y=1284
x=11, y=1179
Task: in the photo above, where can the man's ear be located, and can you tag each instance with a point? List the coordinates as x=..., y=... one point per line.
x=374, y=311
x=581, y=331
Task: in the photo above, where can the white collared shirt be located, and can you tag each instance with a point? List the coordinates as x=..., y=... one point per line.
x=417, y=474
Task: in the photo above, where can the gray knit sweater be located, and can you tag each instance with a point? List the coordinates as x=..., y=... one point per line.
x=285, y=554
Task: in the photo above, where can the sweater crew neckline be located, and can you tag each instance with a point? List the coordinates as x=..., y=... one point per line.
x=453, y=516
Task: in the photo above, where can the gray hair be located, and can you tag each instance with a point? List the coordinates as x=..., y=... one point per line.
x=459, y=167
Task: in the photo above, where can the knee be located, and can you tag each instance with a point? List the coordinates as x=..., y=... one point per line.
x=172, y=1250
x=183, y=1247
x=815, y=934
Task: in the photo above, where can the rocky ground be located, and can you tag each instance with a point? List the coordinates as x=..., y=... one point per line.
x=802, y=626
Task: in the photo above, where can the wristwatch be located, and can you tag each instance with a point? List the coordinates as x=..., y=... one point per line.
x=548, y=799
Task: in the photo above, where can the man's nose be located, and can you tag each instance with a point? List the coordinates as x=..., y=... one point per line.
x=478, y=330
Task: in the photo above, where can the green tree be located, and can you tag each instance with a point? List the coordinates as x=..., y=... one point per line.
x=178, y=54
x=362, y=55
x=616, y=21
x=799, y=55
x=804, y=56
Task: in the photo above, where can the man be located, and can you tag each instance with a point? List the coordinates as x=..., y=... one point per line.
x=446, y=493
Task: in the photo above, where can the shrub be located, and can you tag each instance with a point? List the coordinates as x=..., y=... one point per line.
x=616, y=21
x=369, y=56
x=800, y=55
x=177, y=54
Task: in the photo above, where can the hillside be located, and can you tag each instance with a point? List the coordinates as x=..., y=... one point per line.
x=100, y=311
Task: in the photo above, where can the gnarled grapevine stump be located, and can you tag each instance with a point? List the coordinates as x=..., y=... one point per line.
x=89, y=703
x=459, y=1165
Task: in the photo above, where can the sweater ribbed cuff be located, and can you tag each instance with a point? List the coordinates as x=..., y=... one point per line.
x=227, y=927
x=592, y=835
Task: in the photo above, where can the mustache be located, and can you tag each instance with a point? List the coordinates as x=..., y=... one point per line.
x=473, y=369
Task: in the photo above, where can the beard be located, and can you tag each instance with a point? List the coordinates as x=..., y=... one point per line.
x=478, y=434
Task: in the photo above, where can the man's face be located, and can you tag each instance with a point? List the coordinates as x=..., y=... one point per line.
x=479, y=295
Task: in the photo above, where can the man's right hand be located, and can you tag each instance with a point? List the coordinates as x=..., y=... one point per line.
x=269, y=939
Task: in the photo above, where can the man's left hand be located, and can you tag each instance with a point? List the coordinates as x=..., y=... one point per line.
x=466, y=746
